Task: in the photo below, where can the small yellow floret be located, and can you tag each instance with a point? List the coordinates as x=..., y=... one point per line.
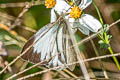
x=50, y=3
x=75, y=12
x=71, y=3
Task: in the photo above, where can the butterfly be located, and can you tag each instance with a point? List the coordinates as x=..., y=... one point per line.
x=51, y=43
x=54, y=41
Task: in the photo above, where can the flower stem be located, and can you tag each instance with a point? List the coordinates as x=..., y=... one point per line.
x=114, y=58
x=106, y=39
x=98, y=12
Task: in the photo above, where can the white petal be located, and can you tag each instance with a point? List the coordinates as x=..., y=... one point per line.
x=81, y=27
x=59, y=0
x=61, y=6
x=71, y=20
x=67, y=16
x=85, y=3
x=90, y=22
x=53, y=16
x=84, y=30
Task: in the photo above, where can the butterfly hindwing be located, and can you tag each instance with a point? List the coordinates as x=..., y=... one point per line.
x=70, y=54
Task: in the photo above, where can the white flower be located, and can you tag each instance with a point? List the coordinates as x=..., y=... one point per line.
x=85, y=23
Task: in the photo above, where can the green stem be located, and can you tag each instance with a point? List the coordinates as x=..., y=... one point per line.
x=106, y=38
x=114, y=58
x=98, y=12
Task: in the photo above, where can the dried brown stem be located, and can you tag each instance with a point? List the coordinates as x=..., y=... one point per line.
x=86, y=60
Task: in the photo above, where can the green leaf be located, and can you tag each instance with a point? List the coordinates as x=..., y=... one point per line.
x=109, y=36
x=106, y=26
x=6, y=76
x=78, y=38
x=33, y=70
x=104, y=45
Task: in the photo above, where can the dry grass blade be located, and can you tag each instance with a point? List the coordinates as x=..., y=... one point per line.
x=20, y=4
x=82, y=41
x=15, y=60
x=73, y=75
x=97, y=54
x=86, y=60
x=24, y=51
x=94, y=35
x=77, y=51
x=24, y=70
x=25, y=9
x=35, y=66
x=107, y=65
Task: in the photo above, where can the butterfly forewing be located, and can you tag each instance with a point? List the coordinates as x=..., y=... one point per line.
x=30, y=55
x=51, y=44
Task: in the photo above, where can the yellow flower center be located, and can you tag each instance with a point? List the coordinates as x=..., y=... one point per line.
x=50, y=3
x=75, y=12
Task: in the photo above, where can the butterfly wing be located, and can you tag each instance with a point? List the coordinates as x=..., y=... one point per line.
x=30, y=55
x=50, y=42
x=69, y=53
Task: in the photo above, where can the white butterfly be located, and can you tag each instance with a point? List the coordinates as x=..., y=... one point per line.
x=54, y=41
x=51, y=42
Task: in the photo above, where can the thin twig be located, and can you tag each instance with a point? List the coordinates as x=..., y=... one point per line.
x=25, y=50
x=25, y=70
x=12, y=18
x=94, y=35
x=15, y=59
x=28, y=29
x=82, y=41
x=77, y=51
x=86, y=60
x=73, y=75
x=20, y=4
x=97, y=54
x=25, y=9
